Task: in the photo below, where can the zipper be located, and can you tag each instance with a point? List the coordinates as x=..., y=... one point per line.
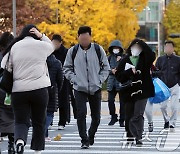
x=87, y=72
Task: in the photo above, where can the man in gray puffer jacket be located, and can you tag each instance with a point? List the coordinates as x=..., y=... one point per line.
x=87, y=71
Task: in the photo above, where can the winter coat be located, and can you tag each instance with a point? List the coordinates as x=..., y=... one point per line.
x=56, y=77
x=112, y=81
x=143, y=87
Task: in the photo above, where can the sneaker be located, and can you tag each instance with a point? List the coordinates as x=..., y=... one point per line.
x=47, y=139
x=166, y=125
x=85, y=145
x=150, y=128
x=19, y=148
x=172, y=128
x=61, y=127
x=50, y=127
x=91, y=140
x=139, y=143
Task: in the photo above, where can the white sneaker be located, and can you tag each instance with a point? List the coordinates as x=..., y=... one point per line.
x=50, y=127
x=61, y=127
x=47, y=139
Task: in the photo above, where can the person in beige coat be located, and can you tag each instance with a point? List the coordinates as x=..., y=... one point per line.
x=28, y=55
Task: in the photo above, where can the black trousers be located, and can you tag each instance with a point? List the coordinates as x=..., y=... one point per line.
x=26, y=105
x=95, y=107
x=111, y=104
x=134, y=120
x=64, y=103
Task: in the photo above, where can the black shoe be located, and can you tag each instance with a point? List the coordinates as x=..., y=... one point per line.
x=91, y=140
x=139, y=143
x=172, y=128
x=122, y=124
x=11, y=149
x=166, y=125
x=19, y=148
x=85, y=145
x=113, y=120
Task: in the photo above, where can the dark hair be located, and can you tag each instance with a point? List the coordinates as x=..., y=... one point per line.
x=57, y=37
x=5, y=39
x=24, y=33
x=169, y=42
x=84, y=29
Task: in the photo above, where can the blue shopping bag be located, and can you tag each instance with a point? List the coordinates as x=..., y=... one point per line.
x=162, y=92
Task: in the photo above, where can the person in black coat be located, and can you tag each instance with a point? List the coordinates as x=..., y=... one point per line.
x=6, y=112
x=134, y=72
x=56, y=77
x=64, y=100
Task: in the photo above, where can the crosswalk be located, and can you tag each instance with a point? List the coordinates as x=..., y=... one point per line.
x=111, y=140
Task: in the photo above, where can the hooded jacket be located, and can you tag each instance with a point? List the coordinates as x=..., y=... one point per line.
x=112, y=81
x=143, y=86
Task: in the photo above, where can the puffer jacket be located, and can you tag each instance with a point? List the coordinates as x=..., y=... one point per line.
x=56, y=77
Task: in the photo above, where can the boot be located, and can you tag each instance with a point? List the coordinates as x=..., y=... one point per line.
x=113, y=120
x=11, y=149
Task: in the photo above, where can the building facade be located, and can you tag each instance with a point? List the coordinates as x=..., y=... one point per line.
x=150, y=21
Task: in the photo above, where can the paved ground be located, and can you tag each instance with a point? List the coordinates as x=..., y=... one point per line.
x=110, y=139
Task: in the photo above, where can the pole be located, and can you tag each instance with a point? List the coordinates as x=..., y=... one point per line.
x=14, y=17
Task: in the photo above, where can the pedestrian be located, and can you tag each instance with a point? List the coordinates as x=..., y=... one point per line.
x=87, y=67
x=133, y=73
x=28, y=55
x=116, y=53
x=149, y=105
x=60, y=53
x=56, y=77
x=169, y=72
x=6, y=112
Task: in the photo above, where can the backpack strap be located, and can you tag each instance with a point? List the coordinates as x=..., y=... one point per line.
x=98, y=52
x=97, y=49
x=75, y=49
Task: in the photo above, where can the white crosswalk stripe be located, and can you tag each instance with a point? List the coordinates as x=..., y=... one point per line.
x=111, y=140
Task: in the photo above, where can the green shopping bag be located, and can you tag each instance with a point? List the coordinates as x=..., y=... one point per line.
x=7, y=100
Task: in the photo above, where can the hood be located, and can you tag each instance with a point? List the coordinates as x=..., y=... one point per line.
x=115, y=43
x=141, y=43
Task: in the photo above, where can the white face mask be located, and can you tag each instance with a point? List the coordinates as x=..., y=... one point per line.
x=115, y=51
x=135, y=52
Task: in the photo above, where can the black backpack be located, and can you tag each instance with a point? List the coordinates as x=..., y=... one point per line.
x=98, y=52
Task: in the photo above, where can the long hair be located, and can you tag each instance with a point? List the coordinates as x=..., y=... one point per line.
x=5, y=39
x=24, y=33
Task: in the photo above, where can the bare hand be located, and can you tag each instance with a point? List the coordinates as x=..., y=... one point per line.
x=134, y=70
x=36, y=32
x=114, y=71
x=118, y=58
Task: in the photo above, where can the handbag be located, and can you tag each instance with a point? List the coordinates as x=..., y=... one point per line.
x=162, y=92
x=6, y=78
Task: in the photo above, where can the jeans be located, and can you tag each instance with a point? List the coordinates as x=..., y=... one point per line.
x=49, y=120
